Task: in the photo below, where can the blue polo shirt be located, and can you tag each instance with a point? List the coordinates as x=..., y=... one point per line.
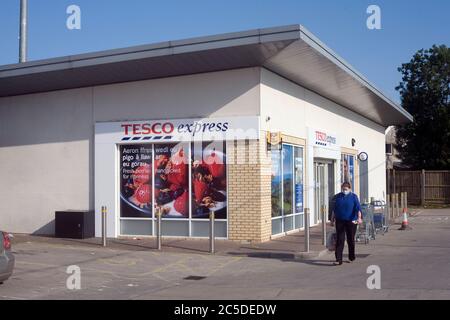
x=346, y=207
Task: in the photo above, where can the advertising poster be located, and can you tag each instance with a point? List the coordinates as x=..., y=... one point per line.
x=172, y=179
x=135, y=181
x=209, y=180
x=351, y=169
x=298, y=198
x=347, y=169
x=288, y=179
x=298, y=167
x=276, y=181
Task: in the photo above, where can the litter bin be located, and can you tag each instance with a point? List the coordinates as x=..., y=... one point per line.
x=74, y=224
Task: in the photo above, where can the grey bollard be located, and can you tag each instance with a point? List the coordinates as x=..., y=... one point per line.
x=306, y=226
x=212, y=220
x=158, y=228
x=104, y=230
x=324, y=226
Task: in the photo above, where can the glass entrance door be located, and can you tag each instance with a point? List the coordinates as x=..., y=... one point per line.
x=319, y=186
x=323, y=175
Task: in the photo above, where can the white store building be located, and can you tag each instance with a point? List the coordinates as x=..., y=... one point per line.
x=184, y=125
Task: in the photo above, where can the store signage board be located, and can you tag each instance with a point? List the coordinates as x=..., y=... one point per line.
x=178, y=130
x=274, y=140
x=323, y=139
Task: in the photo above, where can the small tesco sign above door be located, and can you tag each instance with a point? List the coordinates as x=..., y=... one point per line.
x=320, y=138
x=233, y=128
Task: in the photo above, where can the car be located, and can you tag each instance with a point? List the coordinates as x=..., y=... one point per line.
x=7, y=259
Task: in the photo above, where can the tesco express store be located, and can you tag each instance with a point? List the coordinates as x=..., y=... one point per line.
x=255, y=126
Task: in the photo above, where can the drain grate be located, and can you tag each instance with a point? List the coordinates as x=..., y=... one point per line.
x=194, y=278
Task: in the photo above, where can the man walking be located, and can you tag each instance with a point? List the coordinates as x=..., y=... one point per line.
x=347, y=216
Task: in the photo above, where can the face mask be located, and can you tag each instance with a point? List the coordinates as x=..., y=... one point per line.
x=346, y=192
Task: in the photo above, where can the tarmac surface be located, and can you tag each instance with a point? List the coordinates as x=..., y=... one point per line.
x=413, y=264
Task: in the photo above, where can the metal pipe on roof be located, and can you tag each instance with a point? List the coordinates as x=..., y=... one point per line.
x=23, y=31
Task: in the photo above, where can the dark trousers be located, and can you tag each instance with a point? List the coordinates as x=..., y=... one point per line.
x=343, y=229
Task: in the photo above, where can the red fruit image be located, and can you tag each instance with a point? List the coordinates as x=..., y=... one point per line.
x=177, y=169
x=200, y=189
x=181, y=204
x=142, y=174
x=142, y=194
x=215, y=165
x=177, y=174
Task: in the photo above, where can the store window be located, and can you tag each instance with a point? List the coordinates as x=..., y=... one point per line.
x=172, y=179
x=288, y=177
x=135, y=181
x=187, y=181
x=209, y=180
x=348, y=169
x=276, y=182
x=287, y=188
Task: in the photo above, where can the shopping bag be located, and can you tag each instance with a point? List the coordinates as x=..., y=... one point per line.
x=331, y=240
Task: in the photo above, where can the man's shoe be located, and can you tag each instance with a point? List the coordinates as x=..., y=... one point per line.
x=338, y=263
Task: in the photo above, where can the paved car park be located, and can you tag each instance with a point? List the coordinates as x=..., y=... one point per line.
x=414, y=265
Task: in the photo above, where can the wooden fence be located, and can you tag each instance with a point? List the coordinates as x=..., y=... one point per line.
x=423, y=187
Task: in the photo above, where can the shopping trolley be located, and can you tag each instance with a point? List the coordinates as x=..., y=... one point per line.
x=380, y=217
x=366, y=230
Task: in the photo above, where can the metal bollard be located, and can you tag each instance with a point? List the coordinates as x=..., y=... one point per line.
x=158, y=228
x=104, y=230
x=306, y=225
x=324, y=225
x=212, y=219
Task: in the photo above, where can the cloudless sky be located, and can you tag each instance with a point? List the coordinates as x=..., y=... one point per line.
x=407, y=26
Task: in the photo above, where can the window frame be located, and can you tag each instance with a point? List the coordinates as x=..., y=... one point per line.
x=293, y=213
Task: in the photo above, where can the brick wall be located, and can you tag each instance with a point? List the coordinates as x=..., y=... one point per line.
x=249, y=202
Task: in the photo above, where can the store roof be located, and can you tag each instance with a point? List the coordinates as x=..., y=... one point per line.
x=290, y=51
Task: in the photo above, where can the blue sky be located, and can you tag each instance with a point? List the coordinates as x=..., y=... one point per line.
x=407, y=25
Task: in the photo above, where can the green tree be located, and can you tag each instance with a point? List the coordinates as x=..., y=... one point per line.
x=425, y=93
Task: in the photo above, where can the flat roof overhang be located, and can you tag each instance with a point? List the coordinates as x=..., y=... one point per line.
x=290, y=51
